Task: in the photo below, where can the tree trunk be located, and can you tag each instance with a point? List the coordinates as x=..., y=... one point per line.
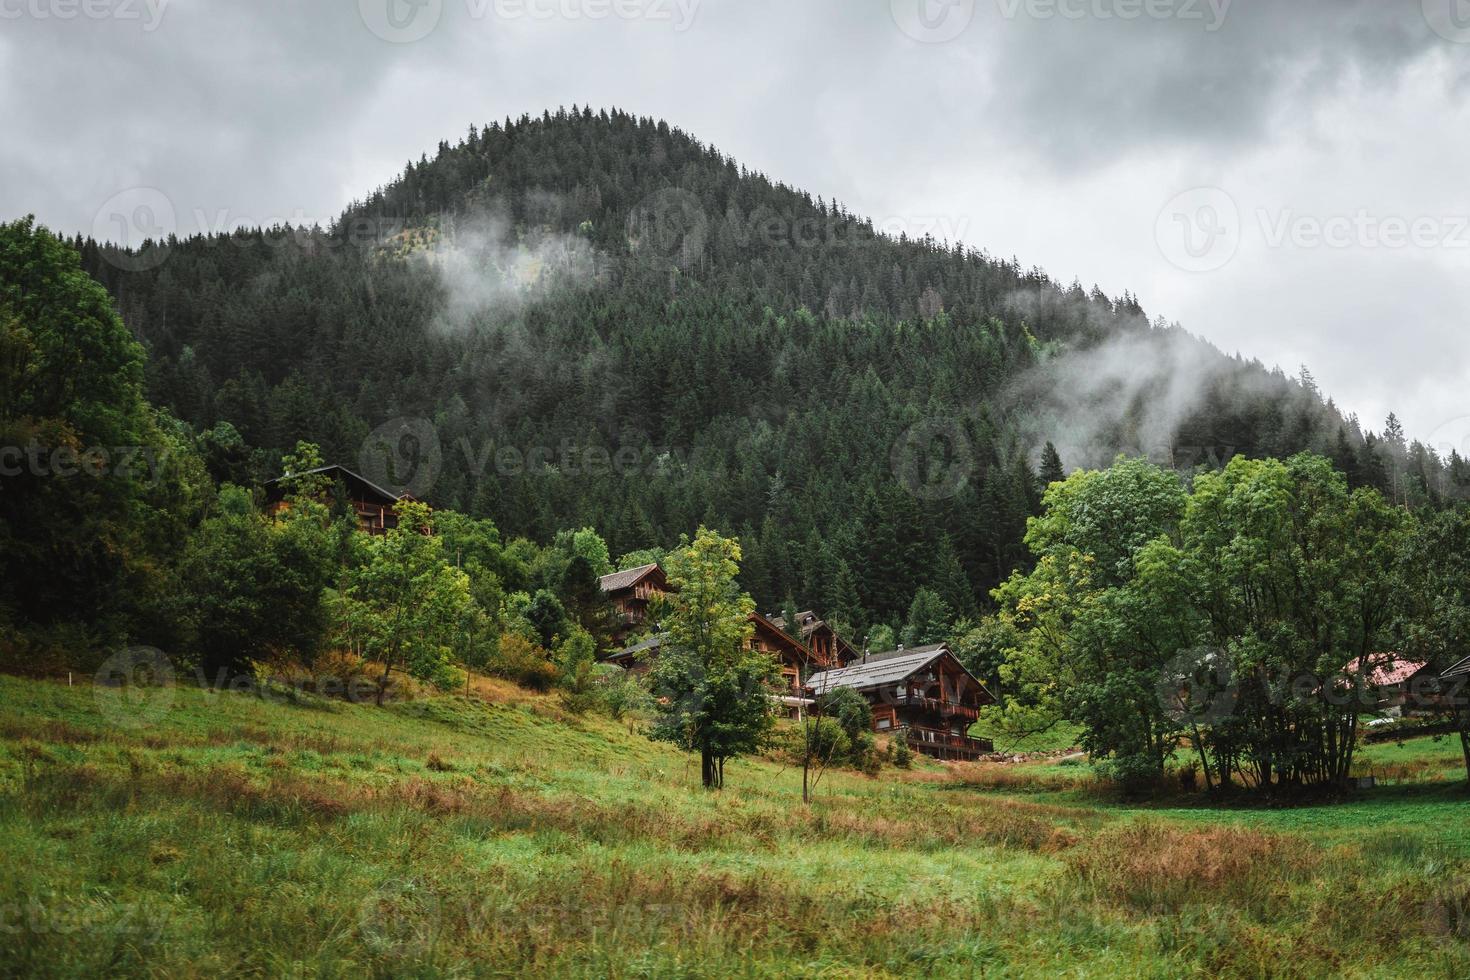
x=1465, y=747
x=707, y=769
x=383, y=681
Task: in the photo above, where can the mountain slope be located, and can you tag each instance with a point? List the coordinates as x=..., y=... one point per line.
x=591, y=318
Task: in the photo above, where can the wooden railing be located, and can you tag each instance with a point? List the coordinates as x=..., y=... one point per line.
x=946, y=709
x=923, y=737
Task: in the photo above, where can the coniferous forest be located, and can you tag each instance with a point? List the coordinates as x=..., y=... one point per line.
x=592, y=319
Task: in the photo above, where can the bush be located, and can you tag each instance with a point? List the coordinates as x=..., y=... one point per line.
x=903, y=756
x=523, y=662
x=621, y=692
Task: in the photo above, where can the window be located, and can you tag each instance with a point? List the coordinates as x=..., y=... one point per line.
x=884, y=724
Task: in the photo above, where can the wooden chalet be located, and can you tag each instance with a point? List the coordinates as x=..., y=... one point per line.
x=1395, y=686
x=630, y=592
x=795, y=659
x=924, y=694
x=828, y=649
x=372, y=504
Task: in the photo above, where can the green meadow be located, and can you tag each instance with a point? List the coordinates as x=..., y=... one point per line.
x=230, y=834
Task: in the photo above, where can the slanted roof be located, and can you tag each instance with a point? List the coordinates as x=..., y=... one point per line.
x=356, y=482
x=879, y=670
x=1461, y=669
x=778, y=632
x=649, y=644
x=1386, y=669
x=618, y=581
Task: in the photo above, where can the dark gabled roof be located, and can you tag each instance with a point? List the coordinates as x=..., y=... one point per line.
x=777, y=630
x=810, y=623
x=647, y=645
x=1461, y=669
x=879, y=669
x=618, y=581
x=354, y=481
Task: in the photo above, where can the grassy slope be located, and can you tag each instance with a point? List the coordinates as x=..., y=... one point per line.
x=451, y=836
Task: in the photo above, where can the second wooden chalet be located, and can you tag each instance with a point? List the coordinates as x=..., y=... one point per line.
x=923, y=694
x=828, y=648
x=796, y=661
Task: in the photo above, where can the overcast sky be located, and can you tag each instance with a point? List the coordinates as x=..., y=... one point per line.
x=1287, y=179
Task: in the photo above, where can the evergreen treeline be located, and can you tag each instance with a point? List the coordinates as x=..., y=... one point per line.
x=773, y=366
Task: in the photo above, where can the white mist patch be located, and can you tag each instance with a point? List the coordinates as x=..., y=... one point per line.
x=489, y=268
x=1131, y=390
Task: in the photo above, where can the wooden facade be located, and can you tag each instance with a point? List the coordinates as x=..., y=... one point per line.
x=828, y=649
x=795, y=658
x=372, y=504
x=630, y=593
x=923, y=695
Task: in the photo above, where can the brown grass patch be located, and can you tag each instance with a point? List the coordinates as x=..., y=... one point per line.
x=1157, y=866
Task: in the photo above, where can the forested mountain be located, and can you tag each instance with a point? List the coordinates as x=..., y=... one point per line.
x=609, y=323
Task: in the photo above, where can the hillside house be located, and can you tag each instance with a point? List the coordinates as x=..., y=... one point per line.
x=372, y=504
x=924, y=693
x=1395, y=686
x=828, y=649
x=630, y=593
x=795, y=659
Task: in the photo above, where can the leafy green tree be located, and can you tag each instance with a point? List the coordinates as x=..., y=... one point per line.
x=80, y=444
x=1091, y=632
x=1434, y=567
x=410, y=606
x=712, y=688
x=252, y=589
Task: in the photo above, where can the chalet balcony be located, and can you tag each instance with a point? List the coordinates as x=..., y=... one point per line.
x=945, y=709
x=947, y=745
